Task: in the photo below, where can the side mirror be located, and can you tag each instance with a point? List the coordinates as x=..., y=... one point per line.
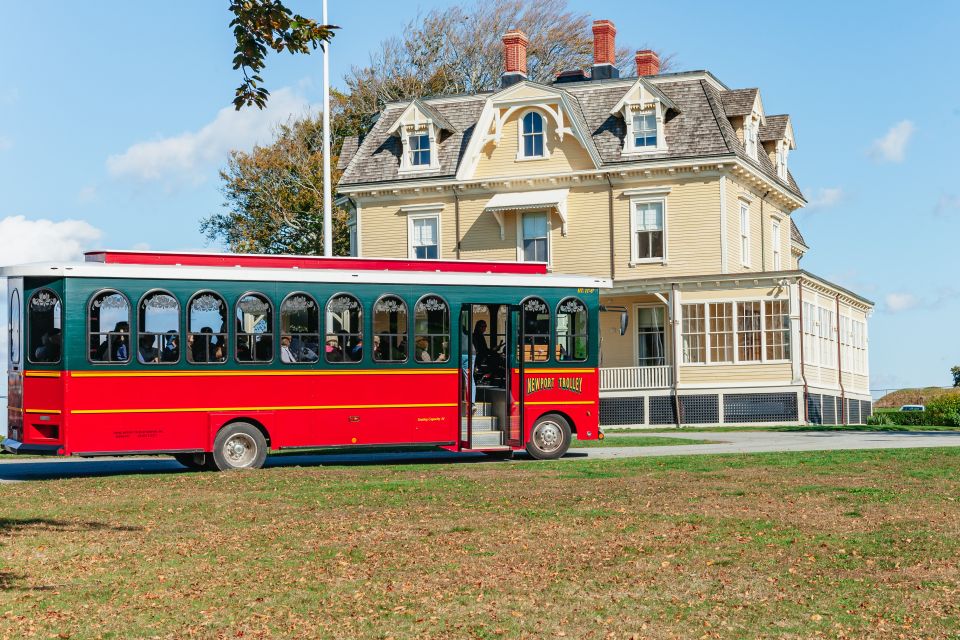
x=624, y=317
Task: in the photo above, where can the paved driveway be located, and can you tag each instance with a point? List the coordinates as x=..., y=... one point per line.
x=13, y=469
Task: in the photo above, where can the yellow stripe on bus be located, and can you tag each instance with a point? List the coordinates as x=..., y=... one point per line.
x=534, y=372
x=289, y=408
x=56, y=411
x=258, y=372
x=554, y=402
x=41, y=374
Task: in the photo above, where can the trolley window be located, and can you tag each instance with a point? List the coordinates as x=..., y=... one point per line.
x=14, y=327
x=299, y=329
x=158, y=340
x=344, y=339
x=44, y=329
x=390, y=329
x=207, y=329
x=109, y=327
x=431, y=323
x=536, y=329
x=254, y=328
x=571, y=330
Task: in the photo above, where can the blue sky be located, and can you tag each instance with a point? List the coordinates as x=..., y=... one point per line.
x=120, y=118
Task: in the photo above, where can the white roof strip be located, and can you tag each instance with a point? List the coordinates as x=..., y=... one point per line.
x=245, y=274
x=520, y=200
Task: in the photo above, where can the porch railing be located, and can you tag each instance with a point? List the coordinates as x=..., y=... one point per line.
x=623, y=378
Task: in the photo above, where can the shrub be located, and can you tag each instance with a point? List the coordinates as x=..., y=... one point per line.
x=945, y=411
x=901, y=418
x=879, y=419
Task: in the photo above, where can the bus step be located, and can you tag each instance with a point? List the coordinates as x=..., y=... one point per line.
x=484, y=439
x=480, y=423
x=483, y=409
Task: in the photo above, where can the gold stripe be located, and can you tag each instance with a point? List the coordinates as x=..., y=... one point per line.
x=56, y=411
x=290, y=408
x=41, y=374
x=533, y=372
x=259, y=372
x=560, y=402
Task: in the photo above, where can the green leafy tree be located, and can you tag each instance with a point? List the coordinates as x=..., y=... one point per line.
x=259, y=25
x=955, y=371
x=273, y=196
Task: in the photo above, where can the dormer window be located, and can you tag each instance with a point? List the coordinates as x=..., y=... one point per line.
x=532, y=136
x=419, y=150
x=782, y=161
x=645, y=130
x=750, y=127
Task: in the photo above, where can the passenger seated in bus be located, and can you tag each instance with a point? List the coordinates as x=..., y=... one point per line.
x=200, y=346
x=49, y=349
x=421, y=350
x=119, y=351
x=146, y=353
x=171, y=348
x=243, y=350
x=380, y=350
x=286, y=354
x=355, y=353
x=333, y=351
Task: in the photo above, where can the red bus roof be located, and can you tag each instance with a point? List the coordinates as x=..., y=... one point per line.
x=180, y=258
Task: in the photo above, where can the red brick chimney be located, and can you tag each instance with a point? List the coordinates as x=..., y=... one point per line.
x=648, y=63
x=514, y=57
x=604, y=51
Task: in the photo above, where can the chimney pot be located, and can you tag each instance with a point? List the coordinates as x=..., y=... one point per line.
x=604, y=43
x=514, y=56
x=648, y=63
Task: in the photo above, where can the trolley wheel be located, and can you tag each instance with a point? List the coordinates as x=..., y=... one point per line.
x=549, y=438
x=239, y=446
x=195, y=461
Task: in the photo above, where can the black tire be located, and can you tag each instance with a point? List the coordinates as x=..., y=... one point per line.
x=549, y=438
x=195, y=461
x=239, y=446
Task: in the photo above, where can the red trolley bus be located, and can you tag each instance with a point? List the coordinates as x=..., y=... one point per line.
x=219, y=359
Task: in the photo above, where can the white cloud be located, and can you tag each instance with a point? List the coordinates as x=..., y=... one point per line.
x=897, y=301
x=946, y=204
x=892, y=146
x=23, y=240
x=825, y=197
x=189, y=156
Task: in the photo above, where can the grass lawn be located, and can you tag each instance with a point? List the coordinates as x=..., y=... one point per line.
x=850, y=427
x=856, y=544
x=636, y=441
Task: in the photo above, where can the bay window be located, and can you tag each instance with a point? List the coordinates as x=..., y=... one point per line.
x=749, y=333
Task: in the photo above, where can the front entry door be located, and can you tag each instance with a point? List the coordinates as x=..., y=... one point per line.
x=515, y=377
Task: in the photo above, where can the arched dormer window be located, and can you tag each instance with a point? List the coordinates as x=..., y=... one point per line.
x=532, y=136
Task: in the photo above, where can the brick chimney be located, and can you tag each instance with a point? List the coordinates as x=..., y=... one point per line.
x=648, y=63
x=514, y=57
x=604, y=50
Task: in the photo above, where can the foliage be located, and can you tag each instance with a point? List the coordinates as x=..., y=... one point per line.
x=945, y=410
x=262, y=24
x=274, y=196
x=955, y=372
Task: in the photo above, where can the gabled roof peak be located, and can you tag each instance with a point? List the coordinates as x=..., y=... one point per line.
x=430, y=115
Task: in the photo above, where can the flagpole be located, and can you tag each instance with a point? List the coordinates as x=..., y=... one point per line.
x=327, y=191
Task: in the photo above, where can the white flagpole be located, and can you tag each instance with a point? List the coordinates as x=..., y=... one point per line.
x=327, y=192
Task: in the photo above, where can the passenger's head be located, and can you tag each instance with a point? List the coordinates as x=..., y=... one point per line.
x=146, y=342
x=122, y=327
x=481, y=326
x=285, y=340
x=206, y=330
x=422, y=342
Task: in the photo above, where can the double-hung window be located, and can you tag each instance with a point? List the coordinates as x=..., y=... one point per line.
x=777, y=318
x=745, y=234
x=647, y=222
x=535, y=240
x=532, y=137
x=721, y=331
x=645, y=131
x=424, y=237
x=694, y=334
x=775, y=240
x=749, y=334
x=420, y=150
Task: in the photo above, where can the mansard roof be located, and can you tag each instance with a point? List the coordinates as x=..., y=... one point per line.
x=698, y=126
x=795, y=235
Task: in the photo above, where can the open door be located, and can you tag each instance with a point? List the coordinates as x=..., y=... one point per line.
x=489, y=417
x=515, y=379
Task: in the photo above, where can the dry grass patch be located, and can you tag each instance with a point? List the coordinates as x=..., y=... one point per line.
x=832, y=544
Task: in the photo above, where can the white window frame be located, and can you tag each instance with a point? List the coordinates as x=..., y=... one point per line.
x=782, y=151
x=549, y=214
x=745, y=235
x=629, y=146
x=667, y=334
x=406, y=160
x=634, y=248
x=521, y=157
x=776, y=240
x=751, y=134
x=426, y=215
x=735, y=333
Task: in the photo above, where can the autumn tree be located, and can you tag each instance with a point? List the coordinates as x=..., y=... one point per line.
x=955, y=372
x=273, y=196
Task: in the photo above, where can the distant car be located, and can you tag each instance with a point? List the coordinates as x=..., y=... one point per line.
x=913, y=407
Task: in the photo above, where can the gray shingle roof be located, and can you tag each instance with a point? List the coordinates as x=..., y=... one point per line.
x=774, y=129
x=347, y=151
x=701, y=128
x=795, y=235
x=739, y=102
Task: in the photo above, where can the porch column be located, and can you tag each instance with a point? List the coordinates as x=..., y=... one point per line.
x=675, y=331
x=796, y=333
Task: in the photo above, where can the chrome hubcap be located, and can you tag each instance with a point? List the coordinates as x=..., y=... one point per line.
x=240, y=450
x=548, y=436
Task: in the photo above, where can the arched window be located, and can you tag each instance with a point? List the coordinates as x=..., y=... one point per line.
x=299, y=329
x=158, y=337
x=390, y=329
x=344, y=340
x=431, y=326
x=536, y=330
x=254, y=328
x=44, y=329
x=15, y=327
x=109, y=327
x=207, y=328
x=572, y=330
x=533, y=143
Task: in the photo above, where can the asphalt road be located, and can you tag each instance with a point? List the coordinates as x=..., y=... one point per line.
x=13, y=469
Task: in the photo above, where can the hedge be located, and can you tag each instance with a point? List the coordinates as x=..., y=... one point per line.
x=902, y=418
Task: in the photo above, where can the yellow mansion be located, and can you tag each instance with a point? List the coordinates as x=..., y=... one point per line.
x=674, y=186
